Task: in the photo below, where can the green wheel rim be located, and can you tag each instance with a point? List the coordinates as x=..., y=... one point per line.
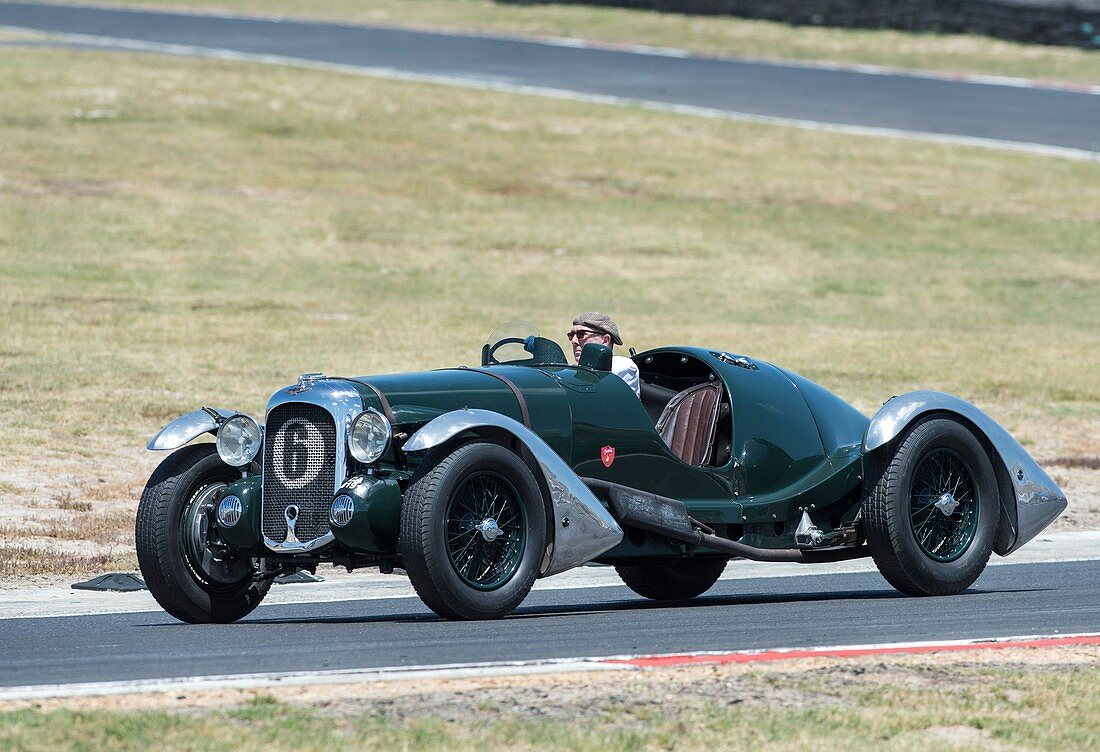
x=486, y=530
x=943, y=505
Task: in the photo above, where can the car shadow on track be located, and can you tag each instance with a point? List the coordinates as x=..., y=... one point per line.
x=626, y=605
x=758, y=599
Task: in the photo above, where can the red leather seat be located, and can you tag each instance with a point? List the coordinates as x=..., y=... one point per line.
x=688, y=422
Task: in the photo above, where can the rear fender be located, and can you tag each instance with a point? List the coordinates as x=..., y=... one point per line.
x=1030, y=500
x=579, y=526
x=189, y=427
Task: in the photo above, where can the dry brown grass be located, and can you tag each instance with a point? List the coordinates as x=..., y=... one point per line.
x=20, y=560
x=1083, y=462
x=108, y=529
x=73, y=505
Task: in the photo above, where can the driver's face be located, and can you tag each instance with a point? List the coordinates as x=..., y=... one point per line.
x=580, y=336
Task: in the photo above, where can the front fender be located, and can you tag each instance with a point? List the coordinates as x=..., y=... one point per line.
x=187, y=427
x=1030, y=500
x=580, y=526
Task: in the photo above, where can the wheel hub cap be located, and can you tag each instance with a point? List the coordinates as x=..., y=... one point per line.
x=947, y=504
x=489, y=529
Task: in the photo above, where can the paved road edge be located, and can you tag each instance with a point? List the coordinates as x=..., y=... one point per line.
x=134, y=45
x=525, y=668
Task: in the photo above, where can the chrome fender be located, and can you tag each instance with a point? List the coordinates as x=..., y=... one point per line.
x=1029, y=498
x=581, y=528
x=187, y=427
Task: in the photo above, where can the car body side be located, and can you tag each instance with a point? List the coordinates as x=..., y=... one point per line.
x=792, y=445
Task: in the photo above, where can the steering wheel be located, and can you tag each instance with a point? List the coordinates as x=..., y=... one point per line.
x=507, y=341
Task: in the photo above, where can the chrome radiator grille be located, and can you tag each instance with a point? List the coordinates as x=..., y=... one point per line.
x=299, y=469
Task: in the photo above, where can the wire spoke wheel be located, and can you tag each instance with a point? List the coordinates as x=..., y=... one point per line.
x=473, y=531
x=485, y=530
x=943, y=505
x=930, y=507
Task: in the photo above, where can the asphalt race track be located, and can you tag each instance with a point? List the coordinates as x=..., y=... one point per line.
x=918, y=106
x=844, y=609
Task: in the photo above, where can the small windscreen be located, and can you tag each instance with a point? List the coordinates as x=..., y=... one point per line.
x=519, y=343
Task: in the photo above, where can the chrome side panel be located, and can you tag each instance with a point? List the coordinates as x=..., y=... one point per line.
x=583, y=529
x=185, y=428
x=343, y=403
x=1037, y=499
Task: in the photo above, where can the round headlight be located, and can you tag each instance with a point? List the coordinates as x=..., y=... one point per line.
x=229, y=511
x=370, y=436
x=342, y=510
x=239, y=441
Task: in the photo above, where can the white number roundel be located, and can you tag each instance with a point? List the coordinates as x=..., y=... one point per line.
x=297, y=453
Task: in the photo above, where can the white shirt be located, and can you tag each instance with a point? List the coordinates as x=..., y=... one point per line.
x=625, y=369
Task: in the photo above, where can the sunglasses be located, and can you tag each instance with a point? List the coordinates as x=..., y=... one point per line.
x=582, y=334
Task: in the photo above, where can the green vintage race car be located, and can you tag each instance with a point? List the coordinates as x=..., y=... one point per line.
x=477, y=481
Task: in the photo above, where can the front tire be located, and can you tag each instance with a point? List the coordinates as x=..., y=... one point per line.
x=473, y=530
x=931, y=510
x=192, y=580
x=676, y=580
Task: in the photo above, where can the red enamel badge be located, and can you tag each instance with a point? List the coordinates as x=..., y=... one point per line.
x=607, y=455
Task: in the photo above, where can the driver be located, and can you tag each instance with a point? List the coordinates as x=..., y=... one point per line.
x=599, y=328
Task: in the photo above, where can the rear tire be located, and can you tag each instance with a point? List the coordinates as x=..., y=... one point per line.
x=473, y=530
x=931, y=509
x=676, y=580
x=190, y=580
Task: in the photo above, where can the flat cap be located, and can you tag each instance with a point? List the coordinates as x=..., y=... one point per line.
x=599, y=322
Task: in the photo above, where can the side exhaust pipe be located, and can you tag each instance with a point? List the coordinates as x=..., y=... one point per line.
x=669, y=517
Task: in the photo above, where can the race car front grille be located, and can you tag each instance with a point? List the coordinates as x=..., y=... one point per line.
x=299, y=469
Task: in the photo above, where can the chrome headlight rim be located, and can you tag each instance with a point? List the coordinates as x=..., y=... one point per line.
x=231, y=450
x=361, y=453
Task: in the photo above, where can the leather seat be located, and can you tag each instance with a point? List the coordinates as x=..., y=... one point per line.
x=688, y=422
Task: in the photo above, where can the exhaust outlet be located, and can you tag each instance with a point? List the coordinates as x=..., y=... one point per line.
x=669, y=517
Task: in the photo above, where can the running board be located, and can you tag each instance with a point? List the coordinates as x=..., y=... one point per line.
x=669, y=517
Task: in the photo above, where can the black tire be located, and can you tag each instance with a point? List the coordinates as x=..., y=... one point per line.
x=430, y=527
x=672, y=581
x=921, y=544
x=193, y=587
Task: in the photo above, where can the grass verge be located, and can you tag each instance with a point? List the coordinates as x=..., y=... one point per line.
x=185, y=232
x=1036, y=700
x=732, y=37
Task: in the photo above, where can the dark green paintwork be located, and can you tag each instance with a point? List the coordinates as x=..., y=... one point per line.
x=245, y=535
x=794, y=443
x=374, y=525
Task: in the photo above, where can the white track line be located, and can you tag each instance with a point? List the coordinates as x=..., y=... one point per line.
x=513, y=668
x=307, y=678
x=136, y=45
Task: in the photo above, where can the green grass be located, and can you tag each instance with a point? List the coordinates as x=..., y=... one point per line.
x=184, y=232
x=706, y=34
x=929, y=707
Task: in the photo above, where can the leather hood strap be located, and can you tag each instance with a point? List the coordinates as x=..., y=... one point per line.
x=524, y=414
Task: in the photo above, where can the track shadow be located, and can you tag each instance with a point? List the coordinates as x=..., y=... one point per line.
x=618, y=606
